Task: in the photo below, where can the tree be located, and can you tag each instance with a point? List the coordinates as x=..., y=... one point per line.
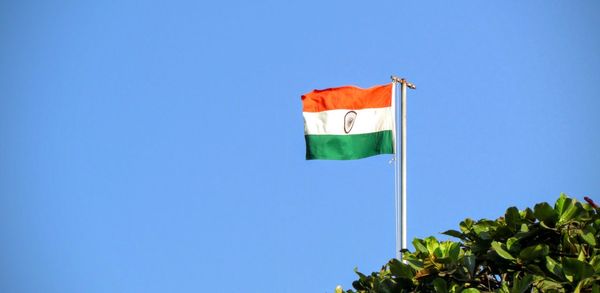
x=544, y=249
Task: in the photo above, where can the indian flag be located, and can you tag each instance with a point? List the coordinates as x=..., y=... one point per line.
x=347, y=123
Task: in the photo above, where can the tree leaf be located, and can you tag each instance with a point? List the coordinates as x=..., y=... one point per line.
x=512, y=244
x=559, y=206
x=361, y=276
x=534, y=251
x=571, y=212
x=589, y=238
x=555, y=268
x=454, y=233
x=432, y=244
x=469, y=262
x=497, y=246
x=528, y=215
x=578, y=288
x=535, y=269
x=576, y=269
x=581, y=256
x=482, y=230
x=545, y=285
x=545, y=226
x=544, y=212
x=524, y=228
x=413, y=261
x=440, y=285
x=569, y=209
x=512, y=217
x=419, y=245
x=466, y=225
x=595, y=262
x=455, y=288
x=521, y=285
x=400, y=270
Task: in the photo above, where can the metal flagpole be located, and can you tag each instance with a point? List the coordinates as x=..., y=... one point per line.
x=396, y=167
x=400, y=180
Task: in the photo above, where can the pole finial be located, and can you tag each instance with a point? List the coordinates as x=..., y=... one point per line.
x=404, y=81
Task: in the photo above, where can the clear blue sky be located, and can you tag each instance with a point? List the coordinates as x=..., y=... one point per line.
x=158, y=146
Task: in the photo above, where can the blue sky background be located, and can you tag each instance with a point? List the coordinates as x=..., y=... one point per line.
x=153, y=146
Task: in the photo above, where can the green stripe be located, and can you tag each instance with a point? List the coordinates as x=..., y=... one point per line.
x=348, y=147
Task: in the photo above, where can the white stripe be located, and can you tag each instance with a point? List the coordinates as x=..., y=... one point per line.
x=332, y=121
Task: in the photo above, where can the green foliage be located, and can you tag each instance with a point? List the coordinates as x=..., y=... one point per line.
x=547, y=249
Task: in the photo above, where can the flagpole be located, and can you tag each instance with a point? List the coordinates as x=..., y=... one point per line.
x=401, y=242
x=396, y=168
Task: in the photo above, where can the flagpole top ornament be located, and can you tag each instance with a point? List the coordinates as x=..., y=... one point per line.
x=404, y=81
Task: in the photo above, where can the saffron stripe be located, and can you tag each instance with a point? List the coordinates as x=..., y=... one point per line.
x=347, y=97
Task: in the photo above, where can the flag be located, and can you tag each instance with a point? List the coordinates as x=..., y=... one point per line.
x=347, y=123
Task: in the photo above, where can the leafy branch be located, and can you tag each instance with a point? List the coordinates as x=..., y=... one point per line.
x=544, y=249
